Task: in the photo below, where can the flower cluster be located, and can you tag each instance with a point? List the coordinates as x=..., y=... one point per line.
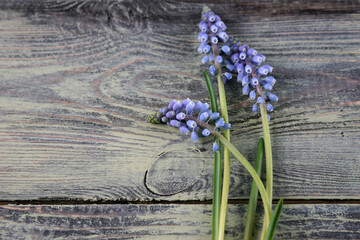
x=239, y=60
x=190, y=117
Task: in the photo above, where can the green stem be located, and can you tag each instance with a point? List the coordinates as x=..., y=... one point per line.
x=251, y=170
x=268, y=153
x=217, y=165
x=226, y=175
x=250, y=218
x=216, y=193
x=269, y=164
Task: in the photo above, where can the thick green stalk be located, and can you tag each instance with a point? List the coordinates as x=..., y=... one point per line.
x=250, y=218
x=250, y=169
x=217, y=165
x=226, y=176
x=268, y=153
x=216, y=193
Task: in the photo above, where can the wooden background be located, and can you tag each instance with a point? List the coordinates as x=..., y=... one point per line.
x=78, y=78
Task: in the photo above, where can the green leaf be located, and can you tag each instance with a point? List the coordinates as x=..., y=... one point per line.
x=274, y=220
x=210, y=87
x=250, y=218
x=217, y=165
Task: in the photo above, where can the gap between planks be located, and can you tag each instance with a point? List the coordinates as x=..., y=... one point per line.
x=187, y=202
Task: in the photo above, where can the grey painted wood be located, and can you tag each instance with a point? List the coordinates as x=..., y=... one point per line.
x=311, y=221
x=77, y=80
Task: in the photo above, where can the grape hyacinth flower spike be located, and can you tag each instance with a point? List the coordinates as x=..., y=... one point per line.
x=190, y=117
x=236, y=59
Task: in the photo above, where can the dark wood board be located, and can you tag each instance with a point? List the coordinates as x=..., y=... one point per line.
x=169, y=221
x=78, y=78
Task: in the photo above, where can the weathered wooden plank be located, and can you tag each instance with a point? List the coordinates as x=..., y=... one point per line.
x=79, y=78
x=173, y=221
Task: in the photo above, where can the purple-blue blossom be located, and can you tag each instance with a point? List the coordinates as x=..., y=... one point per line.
x=232, y=58
x=186, y=115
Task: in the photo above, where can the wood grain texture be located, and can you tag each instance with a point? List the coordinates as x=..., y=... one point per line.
x=169, y=222
x=78, y=78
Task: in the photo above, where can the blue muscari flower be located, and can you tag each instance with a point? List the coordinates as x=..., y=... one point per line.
x=171, y=104
x=163, y=110
x=205, y=59
x=268, y=86
x=180, y=116
x=263, y=71
x=225, y=49
x=212, y=70
x=175, y=123
x=203, y=37
x=194, y=136
x=239, y=78
x=170, y=114
x=228, y=75
x=248, y=69
x=257, y=59
x=221, y=25
x=214, y=116
x=255, y=108
x=242, y=56
x=224, y=79
x=269, y=107
x=183, y=129
x=262, y=57
x=245, y=80
x=204, y=107
x=269, y=68
x=214, y=40
x=206, y=132
x=272, y=97
x=229, y=66
x=251, y=52
x=177, y=105
x=211, y=57
x=260, y=100
x=216, y=147
x=203, y=26
x=270, y=80
x=211, y=17
x=206, y=49
x=185, y=122
x=214, y=28
x=197, y=106
x=254, y=82
x=252, y=95
x=219, y=59
x=246, y=90
x=235, y=58
x=226, y=126
x=243, y=48
x=191, y=124
x=185, y=102
x=190, y=106
x=204, y=116
x=219, y=123
x=223, y=36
